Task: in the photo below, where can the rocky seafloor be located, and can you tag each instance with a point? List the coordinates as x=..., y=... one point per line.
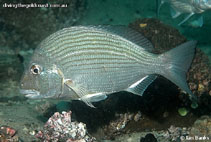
x=123, y=117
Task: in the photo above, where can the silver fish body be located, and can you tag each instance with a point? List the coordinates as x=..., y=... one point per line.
x=90, y=62
x=189, y=7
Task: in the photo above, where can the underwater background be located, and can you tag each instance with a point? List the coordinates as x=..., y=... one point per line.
x=162, y=114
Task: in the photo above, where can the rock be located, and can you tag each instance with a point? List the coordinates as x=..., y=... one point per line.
x=201, y=127
x=137, y=116
x=148, y=138
x=164, y=38
x=8, y=134
x=59, y=127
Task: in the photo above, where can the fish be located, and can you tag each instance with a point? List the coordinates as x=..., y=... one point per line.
x=88, y=63
x=190, y=7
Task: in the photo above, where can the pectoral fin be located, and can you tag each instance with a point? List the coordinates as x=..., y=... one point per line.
x=140, y=86
x=84, y=95
x=79, y=91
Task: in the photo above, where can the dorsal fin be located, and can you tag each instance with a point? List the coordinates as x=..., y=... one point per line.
x=127, y=33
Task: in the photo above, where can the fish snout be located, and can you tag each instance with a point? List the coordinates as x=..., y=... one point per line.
x=26, y=82
x=23, y=83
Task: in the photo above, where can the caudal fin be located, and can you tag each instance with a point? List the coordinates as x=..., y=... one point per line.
x=178, y=61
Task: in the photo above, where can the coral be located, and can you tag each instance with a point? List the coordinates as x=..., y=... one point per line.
x=162, y=36
x=201, y=127
x=137, y=116
x=199, y=76
x=8, y=134
x=200, y=130
x=60, y=128
x=117, y=126
x=175, y=133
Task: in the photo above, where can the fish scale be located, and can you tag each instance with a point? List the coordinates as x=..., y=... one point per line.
x=82, y=35
x=73, y=53
x=85, y=46
x=65, y=36
x=79, y=44
x=89, y=62
x=76, y=45
x=121, y=81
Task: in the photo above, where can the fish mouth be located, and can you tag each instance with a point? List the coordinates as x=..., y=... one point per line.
x=30, y=93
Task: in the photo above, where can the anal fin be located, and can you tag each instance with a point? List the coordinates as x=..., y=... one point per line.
x=140, y=86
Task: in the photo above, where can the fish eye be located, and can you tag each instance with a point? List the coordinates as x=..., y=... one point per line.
x=35, y=69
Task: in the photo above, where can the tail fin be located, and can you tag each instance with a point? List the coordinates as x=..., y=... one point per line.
x=178, y=61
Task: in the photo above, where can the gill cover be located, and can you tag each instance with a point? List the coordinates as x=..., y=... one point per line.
x=53, y=86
